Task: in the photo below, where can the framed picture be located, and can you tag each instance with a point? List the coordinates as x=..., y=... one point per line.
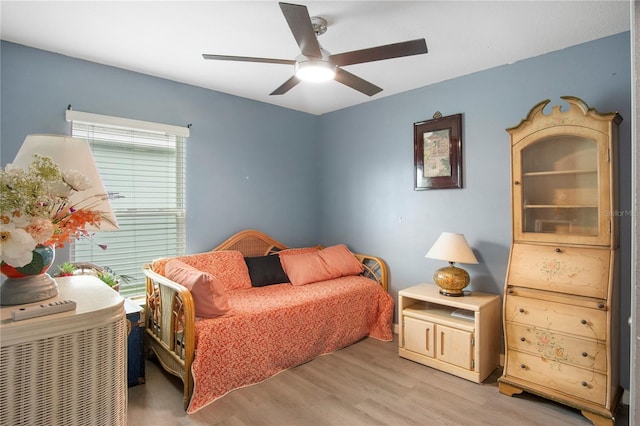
x=437, y=149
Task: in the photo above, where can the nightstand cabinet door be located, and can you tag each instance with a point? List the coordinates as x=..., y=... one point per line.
x=454, y=346
x=419, y=336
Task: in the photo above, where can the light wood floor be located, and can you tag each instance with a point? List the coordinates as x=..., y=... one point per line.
x=364, y=384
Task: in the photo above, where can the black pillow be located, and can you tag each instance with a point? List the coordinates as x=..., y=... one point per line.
x=266, y=270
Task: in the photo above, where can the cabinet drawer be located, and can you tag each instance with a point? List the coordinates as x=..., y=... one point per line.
x=569, y=319
x=557, y=347
x=581, y=271
x=574, y=381
x=419, y=336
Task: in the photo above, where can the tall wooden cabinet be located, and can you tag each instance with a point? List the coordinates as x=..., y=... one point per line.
x=560, y=309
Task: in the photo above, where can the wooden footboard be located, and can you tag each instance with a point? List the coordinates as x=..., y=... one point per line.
x=170, y=327
x=170, y=313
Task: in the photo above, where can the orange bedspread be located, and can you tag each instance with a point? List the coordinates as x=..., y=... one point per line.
x=272, y=328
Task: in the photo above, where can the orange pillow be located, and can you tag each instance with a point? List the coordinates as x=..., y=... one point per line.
x=209, y=297
x=331, y=262
x=298, y=250
x=228, y=266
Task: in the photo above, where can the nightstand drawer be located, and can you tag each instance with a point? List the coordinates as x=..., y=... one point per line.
x=579, y=321
x=573, y=381
x=581, y=271
x=553, y=346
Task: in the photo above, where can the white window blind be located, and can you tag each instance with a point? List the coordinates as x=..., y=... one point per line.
x=142, y=164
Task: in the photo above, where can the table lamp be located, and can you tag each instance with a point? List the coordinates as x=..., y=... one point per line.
x=30, y=283
x=453, y=248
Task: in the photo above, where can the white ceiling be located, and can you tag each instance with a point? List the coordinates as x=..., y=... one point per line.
x=167, y=38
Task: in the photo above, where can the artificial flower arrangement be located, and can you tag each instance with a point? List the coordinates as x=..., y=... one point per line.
x=35, y=209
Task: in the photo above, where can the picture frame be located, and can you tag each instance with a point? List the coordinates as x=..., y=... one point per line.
x=437, y=148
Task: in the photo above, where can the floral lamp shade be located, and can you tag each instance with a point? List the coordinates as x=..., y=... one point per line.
x=71, y=154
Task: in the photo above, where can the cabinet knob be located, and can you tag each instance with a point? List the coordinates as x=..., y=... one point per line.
x=516, y=182
x=584, y=321
x=584, y=354
x=521, y=310
x=523, y=366
x=558, y=250
x=510, y=291
x=585, y=384
x=601, y=305
x=522, y=339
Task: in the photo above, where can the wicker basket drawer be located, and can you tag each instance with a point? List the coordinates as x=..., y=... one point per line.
x=574, y=381
x=557, y=347
x=569, y=319
x=581, y=271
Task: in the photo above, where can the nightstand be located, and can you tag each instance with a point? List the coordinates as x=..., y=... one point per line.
x=457, y=335
x=69, y=367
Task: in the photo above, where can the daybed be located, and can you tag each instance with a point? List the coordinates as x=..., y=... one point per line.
x=260, y=330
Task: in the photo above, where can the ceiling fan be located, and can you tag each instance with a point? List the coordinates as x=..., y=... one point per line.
x=316, y=64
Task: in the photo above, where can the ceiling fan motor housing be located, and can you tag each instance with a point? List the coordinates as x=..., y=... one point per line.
x=315, y=69
x=319, y=25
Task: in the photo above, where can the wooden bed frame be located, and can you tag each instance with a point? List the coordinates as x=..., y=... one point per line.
x=170, y=313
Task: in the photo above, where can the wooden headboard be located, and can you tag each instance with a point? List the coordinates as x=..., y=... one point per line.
x=251, y=243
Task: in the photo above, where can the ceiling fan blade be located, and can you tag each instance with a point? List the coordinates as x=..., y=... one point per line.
x=297, y=17
x=389, y=51
x=249, y=59
x=356, y=82
x=286, y=86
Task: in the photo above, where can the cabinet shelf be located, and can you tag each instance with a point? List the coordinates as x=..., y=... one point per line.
x=561, y=206
x=561, y=172
x=440, y=314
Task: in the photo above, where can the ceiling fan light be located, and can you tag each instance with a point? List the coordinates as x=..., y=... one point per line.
x=315, y=71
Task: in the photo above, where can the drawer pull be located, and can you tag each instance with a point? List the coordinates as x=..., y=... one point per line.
x=584, y=354
x=558, y=250
x=522, y=339
x=516, y=182
x=583, y=322
x=521, y=310
x=523, y=366
x=510, y=291
x=601, y=305
x=585, y=384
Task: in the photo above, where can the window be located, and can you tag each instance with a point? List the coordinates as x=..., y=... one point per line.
x=142, y=166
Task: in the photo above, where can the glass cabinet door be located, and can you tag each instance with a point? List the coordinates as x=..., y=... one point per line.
x=558, y=192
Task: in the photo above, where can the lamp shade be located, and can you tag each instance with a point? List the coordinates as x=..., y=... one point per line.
x=452, y=247
x=71, y=154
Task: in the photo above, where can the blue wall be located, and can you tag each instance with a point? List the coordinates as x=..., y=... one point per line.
x=249, y=164
x=346, y=176
x=366, y=164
